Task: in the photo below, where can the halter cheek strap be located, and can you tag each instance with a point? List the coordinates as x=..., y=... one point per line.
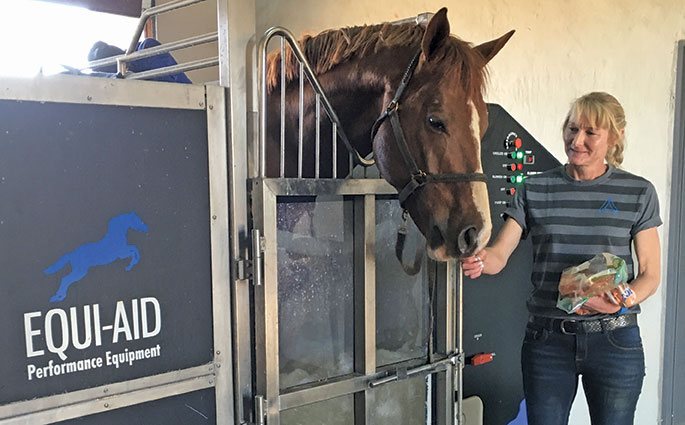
x=418, y=177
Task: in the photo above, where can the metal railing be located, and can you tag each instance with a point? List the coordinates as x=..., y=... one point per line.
x=320, y=99
x=305, y=71
x=122, y=61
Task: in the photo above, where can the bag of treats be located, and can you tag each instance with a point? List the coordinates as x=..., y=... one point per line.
x=603, y=273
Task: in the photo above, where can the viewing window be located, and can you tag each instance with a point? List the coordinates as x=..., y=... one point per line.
x=42, y=37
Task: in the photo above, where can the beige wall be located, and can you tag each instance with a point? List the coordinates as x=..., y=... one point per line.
x=190, y=21
x=561, y=49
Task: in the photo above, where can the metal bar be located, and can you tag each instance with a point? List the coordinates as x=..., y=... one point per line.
x=103, y=91
x=365, y=284
x=332, y=389
x=220, y=255
x=300, y=131
x=335, y=150
x=460, y=343
x=262, y=95
x=152, y=51
x=312, y=187
x=364, y=299
x=421, y=18
x=83, y=402
x=174, y=69
x=282, y=108
x=236, y=28
x=266, y=304
x=445, y=321
x=424, y=370
x=257, y=258
x=317, y=139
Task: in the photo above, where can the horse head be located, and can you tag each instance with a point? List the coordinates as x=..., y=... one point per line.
x=136, y=223
x=432, y=157
x=443, y=119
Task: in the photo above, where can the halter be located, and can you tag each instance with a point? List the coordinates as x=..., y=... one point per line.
x=419, y=177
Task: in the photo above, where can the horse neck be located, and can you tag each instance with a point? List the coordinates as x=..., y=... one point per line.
x=117, y=228
x=357, y=90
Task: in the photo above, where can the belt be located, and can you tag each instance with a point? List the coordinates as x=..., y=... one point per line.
x=572, y=327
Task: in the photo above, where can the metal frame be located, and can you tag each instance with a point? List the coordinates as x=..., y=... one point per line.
x=218, y=373
x=676, y=248
x=236, y=30
x=103, y=91
x=367, y=375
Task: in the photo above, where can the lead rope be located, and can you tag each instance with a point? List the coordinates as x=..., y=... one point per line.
x=414, y=268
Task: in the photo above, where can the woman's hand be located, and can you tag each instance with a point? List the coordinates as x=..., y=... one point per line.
x=601, y=304
x=474, y=266
x=491, y=260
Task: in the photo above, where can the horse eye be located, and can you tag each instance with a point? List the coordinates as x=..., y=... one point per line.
x=437, y=124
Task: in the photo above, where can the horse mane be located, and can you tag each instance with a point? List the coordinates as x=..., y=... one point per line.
x=333, y=47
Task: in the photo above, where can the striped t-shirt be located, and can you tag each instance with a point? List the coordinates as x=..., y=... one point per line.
x=570, y=221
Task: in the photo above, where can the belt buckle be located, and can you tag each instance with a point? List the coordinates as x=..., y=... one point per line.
x=563, y=328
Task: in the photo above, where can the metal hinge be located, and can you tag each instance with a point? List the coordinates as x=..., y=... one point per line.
x=244, y=269
x=252, y=269
x=259, y=410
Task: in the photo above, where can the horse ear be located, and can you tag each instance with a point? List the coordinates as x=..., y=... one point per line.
x=491, y=48
x=437, y=30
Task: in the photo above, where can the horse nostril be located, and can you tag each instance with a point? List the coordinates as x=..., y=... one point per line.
x=436, y=238
x=467, y=240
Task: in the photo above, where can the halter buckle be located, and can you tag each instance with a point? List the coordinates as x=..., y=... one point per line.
x=419, y=176
x=394, y=105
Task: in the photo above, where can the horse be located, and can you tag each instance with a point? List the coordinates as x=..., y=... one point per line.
x=111, y=247
x=433, y=156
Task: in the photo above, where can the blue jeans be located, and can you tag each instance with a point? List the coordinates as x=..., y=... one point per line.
x=613, y=368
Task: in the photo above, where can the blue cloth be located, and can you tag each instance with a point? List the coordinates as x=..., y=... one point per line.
x=157, y=61
x=611, y=363
x=102, y=50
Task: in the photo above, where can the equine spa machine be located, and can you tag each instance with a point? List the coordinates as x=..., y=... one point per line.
x=138, y=287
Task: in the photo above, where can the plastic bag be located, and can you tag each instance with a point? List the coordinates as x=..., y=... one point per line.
x=603, y=273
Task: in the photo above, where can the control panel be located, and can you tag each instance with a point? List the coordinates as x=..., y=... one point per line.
x=509, y=155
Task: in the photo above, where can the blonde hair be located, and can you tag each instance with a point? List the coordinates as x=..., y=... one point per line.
x=602, y=110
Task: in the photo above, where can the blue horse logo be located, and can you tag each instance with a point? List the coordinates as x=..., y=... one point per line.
x=111, y=247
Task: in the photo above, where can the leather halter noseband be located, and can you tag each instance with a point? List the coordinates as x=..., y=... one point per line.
x=419, y=177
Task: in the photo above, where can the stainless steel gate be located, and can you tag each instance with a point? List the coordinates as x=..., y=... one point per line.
x=342, y=334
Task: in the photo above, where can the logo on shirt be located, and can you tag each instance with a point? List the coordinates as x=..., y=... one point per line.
x=608, y=206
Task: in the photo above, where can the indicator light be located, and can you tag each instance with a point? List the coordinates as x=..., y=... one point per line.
x=511, y=141
x=481, y=358
x=519, y=179
x=519, y=155
x=519, y=167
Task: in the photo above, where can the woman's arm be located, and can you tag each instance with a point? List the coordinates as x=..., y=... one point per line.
x=648, y=251
x=492, y=259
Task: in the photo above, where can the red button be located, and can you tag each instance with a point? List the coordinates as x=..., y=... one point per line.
x=513, y=167
x=511, y=191
x=517, y=143
x=519, y=166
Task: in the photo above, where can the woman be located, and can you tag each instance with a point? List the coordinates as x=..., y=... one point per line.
x=583, y=208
